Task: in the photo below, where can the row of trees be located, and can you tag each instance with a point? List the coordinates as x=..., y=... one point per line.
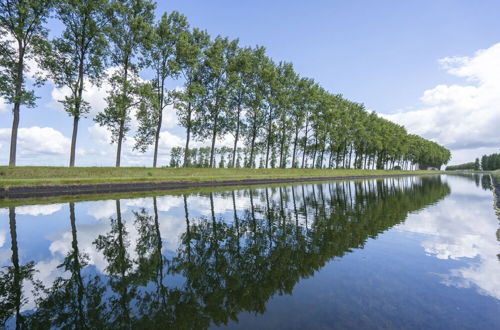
x=487, y=163
x=490, y=162
x=227, y=90
x=464, y=166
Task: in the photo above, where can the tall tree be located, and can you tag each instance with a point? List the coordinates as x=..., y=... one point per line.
x=255, y=112
x=240, y=90
x=24, y=34
x=130, y=23
x=78, y=55
x=215, y=79
x=191, y=49
x=163, y=56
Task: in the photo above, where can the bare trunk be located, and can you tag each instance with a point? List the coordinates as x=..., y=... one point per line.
x=305, y=144
x=212, y=149
x=157, y=141
x=120, y=140
x=252, y=145
x=236, y=136
x=13, y=136
x=17, y=105
x=73, y=141
x=295, y=140
x=188, y=136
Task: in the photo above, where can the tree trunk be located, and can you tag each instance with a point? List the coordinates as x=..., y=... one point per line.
x=305, y=144
x=212, y=149
x=73, y=141
x=78, y=106
x=252, y=145
x=282, y=147
x=295, y=140
x=120, y=140
x=236, y=136
x=268, y=141
x=188, y=136
x=17, y=104
x=157, y=140
x=13, y=135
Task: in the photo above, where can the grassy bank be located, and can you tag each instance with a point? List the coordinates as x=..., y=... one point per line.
x=30, y=175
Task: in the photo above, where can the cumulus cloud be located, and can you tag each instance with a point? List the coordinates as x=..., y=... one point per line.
x=3, y=106
x=463, y=117
x=93, y=94
x=38, y=141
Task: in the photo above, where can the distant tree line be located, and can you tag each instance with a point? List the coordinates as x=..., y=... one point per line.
x=465, y=166
x=487, y=163
x=490, y=162
x=281, y=119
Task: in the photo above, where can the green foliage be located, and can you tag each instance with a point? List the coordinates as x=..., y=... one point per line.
x=130, y=23
x=490, y=162
x=281, y=119
x=465, y=166
x=23, y=38
x=162, y=54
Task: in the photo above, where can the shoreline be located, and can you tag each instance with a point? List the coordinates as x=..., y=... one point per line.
x=495, y=183
x=61, y=190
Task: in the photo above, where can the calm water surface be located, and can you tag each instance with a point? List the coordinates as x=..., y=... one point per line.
x=419, y=252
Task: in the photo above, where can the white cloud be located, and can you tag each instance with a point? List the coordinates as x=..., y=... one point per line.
x=3, y=106
x=38, y=140
x=461, y=117
x=93, y=94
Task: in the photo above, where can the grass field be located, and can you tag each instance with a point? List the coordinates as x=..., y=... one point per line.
x=30, y=175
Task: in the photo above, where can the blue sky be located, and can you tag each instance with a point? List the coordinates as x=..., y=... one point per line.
x=385, y=54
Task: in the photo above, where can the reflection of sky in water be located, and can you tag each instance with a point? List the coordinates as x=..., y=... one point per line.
x=444, y=254
x=462, y=227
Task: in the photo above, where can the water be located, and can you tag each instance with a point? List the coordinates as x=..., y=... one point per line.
x=413, y=252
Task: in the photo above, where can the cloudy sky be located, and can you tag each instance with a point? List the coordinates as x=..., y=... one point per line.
x=431, y=65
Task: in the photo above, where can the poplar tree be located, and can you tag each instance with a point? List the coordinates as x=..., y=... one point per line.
x=163, y=56
x=23, y=38
x=130, y=22
x=255, y=114
x=215, y=79
x=78, y=55
x=191, y=51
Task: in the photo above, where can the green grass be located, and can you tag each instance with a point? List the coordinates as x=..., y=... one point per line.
x=44, y=175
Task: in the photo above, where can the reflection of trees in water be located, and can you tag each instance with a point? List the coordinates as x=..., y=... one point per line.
x=226, y=265
x=12, y=278
x=72, y=301
x=481, y=180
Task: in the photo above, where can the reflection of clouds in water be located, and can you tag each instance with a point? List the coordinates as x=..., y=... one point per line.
x=454, y=232
x=202, y=204
x=166, y=203
x=102, y=209
x=35, y=210
x=171, y=229
x=484, y=275
x=86, y=234
x=3, y=235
